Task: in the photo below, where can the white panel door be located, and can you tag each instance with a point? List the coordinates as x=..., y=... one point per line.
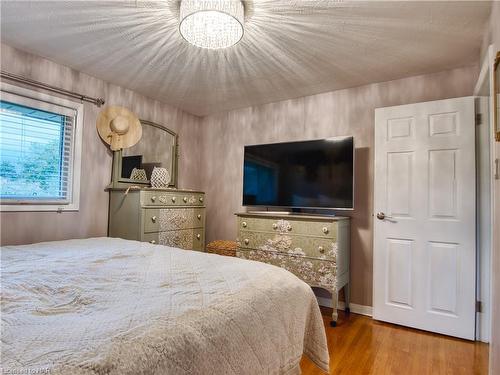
x=424, y=204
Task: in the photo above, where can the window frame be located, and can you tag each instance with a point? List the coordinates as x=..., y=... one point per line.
x=28, y=97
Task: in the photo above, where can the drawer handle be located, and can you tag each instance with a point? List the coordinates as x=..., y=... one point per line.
x=289, y=228
x=325, y=230
x=153, y=198
x=153, y=219
x=275, y=226
x=201, y=199
x=244, y=224
x=173, y=199
x=152, y=241
x=246, y=241
x=199, y=216
x=321, y=249
x=185, y=199
x=198, y=236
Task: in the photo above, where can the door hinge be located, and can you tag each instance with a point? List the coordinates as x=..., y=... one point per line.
x=479, y=118
x=479, y=306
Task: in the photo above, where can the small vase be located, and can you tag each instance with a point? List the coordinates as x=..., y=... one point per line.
x=160, y=178
x=138, y=175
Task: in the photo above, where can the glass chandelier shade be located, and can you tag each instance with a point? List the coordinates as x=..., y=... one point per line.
x=212, y=24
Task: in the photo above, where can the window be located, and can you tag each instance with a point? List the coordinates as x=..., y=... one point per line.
x=40, y=149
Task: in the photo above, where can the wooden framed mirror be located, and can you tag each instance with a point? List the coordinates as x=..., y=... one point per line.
x=496, y=93
x=156, y=148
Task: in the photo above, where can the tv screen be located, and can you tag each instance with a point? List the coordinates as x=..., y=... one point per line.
x=309, y=174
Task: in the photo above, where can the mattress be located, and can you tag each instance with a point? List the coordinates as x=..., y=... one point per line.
x=113, y=306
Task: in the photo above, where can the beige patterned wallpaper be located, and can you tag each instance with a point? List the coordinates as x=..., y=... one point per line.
x=92, y=219
x=344, y=112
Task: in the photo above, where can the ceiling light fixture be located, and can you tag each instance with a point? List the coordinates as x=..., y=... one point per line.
x=212, y=24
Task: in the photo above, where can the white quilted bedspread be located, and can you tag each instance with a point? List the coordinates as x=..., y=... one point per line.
x=112, y=306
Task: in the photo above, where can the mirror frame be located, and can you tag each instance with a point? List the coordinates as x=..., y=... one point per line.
x=118, y=181
x=496, y=95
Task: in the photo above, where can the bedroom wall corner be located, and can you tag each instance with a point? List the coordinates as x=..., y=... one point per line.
x=92, y=218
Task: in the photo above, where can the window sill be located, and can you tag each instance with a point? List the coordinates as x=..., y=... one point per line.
x=38, y=207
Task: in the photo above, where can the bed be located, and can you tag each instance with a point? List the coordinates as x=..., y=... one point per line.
x=113, y=306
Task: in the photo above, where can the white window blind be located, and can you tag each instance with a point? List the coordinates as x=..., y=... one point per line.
x=37, y=151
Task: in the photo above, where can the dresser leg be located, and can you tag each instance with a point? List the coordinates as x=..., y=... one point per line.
x=335, y=315
x=347, y=295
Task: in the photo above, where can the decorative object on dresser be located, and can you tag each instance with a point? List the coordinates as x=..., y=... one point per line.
x=222, y=247
x=314, y=248
x=160, y=216
x=167, y=216
x=160, y=177
x=138, y=175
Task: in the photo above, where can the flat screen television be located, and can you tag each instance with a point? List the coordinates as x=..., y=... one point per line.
x=316, y=174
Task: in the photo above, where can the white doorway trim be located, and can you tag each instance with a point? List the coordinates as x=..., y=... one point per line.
x=485, y=233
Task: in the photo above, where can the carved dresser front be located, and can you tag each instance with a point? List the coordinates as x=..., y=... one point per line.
x=169, y=217
x=314, y=248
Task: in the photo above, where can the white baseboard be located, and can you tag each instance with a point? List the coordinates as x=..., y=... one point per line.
x=355, y=308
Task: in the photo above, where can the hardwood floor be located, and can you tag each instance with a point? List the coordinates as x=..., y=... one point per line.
x=360, y=345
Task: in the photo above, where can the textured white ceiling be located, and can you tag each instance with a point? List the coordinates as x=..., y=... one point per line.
x=290, y=48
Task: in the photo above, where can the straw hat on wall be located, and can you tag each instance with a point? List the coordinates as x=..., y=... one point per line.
x=119, y=127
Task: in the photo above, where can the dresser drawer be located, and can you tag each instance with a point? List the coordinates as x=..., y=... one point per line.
x=315, y=272
x=188, y=239
x=323, y=229
x=323, y=248
x=165, y=219
x=173, y=198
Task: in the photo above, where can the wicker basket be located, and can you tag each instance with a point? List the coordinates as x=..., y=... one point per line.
x=222, y=247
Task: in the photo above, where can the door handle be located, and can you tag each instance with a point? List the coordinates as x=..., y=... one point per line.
x=382, y=216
